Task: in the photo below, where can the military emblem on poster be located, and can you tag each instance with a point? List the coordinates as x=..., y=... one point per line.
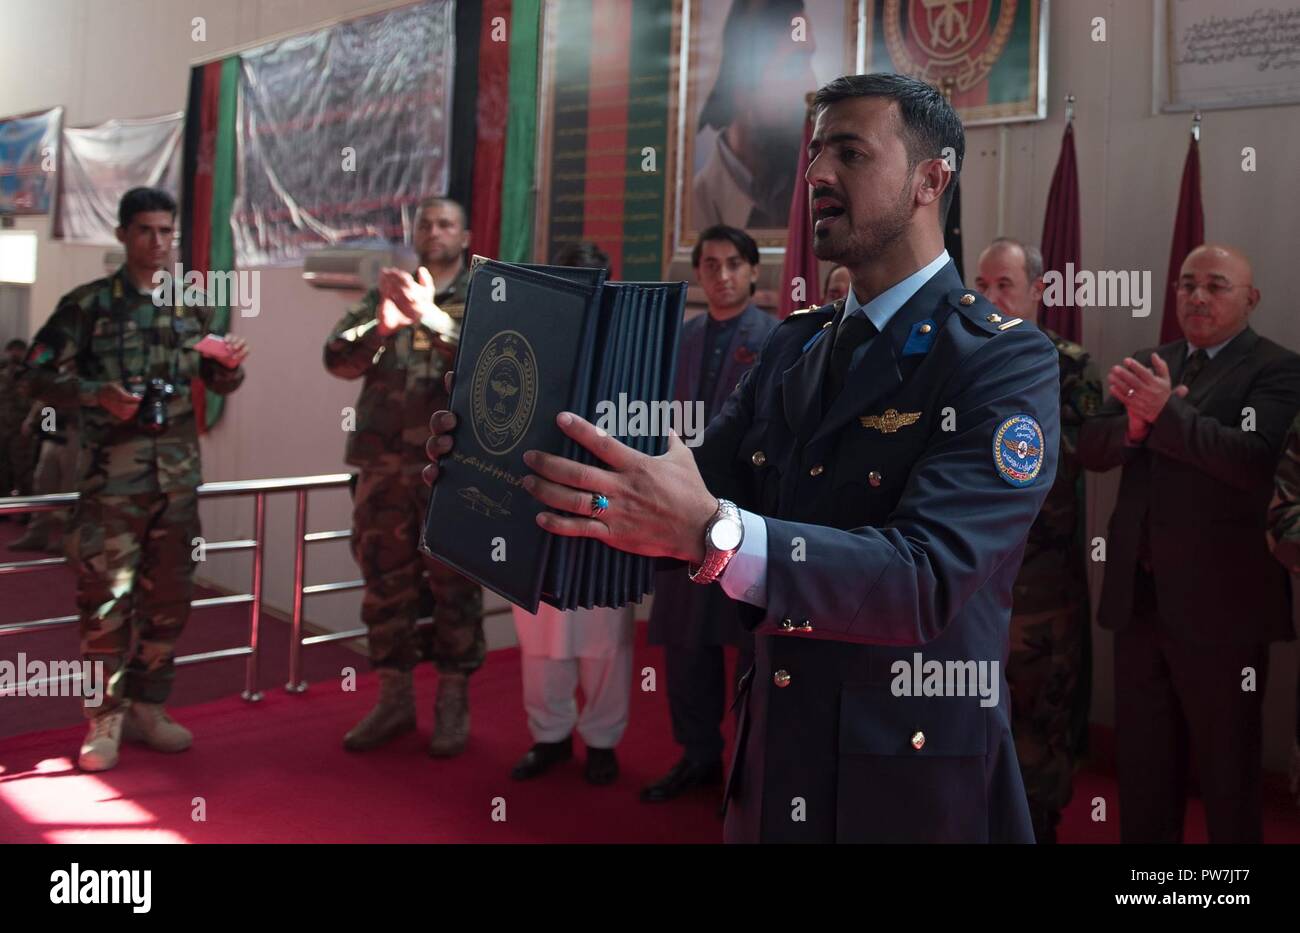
x=990, y=56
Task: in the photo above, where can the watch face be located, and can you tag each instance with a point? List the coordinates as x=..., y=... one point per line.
x=725, y=534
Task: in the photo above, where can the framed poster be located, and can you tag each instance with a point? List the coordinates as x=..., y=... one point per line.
x=989, y=55
x=745, y=69
x=1211, y=57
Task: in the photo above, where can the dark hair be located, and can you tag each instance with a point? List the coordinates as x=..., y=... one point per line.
x=743, y=242
x=143, y=200
x=439, y=201
x=929, y=124
x=752, y=28
x=16, y=344
x=583, y=256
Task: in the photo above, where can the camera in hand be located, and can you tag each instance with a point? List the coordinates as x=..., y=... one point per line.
x=151, y=416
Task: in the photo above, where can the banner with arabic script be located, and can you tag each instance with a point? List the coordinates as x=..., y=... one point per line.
x=1216, y=55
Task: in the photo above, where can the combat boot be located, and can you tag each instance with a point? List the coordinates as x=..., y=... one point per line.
x=103, y=738
x=149, y=724
x=33, y=540
x=393, y=715
x=451, y=716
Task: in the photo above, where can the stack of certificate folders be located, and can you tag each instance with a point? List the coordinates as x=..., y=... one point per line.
x=535, y=341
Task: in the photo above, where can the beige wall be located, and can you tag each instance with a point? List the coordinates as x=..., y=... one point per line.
x=130, y=58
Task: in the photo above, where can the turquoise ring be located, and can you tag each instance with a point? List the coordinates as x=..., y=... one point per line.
x=598, y=505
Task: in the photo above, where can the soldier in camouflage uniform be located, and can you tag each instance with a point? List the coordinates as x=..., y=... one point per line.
x=1049, y=615
x=54, y=429
x=385, y=339
x=131, y=537
x=1284, y=537
x=17, y=450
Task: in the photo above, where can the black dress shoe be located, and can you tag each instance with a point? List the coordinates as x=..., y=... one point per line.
x=684, y=775
x=602, y=766
x=540, y=758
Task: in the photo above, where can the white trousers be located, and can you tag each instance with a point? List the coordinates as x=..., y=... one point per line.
x=550, y=687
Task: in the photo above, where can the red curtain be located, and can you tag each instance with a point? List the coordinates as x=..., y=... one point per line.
x=1061, y=241
x=490, y=144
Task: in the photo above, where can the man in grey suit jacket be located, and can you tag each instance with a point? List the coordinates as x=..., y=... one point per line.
x=1190, y=590
x=694, y=622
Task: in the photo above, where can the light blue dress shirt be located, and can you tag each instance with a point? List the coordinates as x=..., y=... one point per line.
x=745, y=578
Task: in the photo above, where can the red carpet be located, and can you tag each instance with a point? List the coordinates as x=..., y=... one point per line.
x=275, y=772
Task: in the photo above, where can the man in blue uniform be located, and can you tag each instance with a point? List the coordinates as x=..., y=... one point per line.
x=867, y=491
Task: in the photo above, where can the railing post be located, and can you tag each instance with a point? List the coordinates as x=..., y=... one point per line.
x=251, y=673
x=296, y=684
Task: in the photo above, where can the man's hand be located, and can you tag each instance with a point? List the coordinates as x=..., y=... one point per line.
x=658, y=506
x=238, y=352
x=390, y=318
x=1143, y=392
x=439, y=442
x=118, y=402
x=412, y=296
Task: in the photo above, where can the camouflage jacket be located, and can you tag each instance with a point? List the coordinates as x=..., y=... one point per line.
x=15, y=401
x=1284, y=511
x=403, y=380
x=1054, y=573
x=107, y=331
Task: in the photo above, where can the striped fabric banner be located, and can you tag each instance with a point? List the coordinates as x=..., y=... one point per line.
x=609, y=131
x=209, y=189
x=492, y=108
x=521, y=134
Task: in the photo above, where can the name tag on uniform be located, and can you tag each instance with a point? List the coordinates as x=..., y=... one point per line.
x=890, y=421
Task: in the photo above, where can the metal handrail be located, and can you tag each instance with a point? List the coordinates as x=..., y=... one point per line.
x=258, y=488
x=302, y=538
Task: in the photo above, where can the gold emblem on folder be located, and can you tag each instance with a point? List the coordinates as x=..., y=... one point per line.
x=890, y=421
x=503, y=392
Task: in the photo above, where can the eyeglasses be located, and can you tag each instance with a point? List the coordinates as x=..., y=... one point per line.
x=1213, y=289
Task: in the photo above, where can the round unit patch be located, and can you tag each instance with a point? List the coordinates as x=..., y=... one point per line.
x=1018, y=449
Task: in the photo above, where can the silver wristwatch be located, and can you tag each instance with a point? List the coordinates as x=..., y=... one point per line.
x=722, y=537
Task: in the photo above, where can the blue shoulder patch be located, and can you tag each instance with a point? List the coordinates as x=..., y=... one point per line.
x=919, y=339
x=1018, y=449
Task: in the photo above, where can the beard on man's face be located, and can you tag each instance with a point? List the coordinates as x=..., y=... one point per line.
x=850, y=242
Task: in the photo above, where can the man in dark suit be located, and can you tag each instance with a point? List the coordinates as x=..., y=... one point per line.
x=693, y=623
x=1190, y=589
x=867, y=491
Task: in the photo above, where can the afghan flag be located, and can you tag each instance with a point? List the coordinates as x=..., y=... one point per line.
x=608, y=145
x=1062, y=244
x=1189, y=233
x=208, y=170
x=520, y=158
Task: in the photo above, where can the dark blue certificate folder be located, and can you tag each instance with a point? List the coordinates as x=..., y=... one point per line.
x=535, y=341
